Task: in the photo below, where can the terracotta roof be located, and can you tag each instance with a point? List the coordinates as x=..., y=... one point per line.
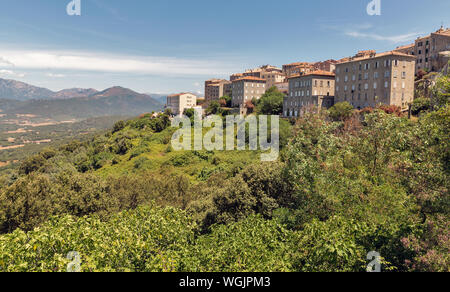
x=317, y=72
x=379, y=55
x=299, y=64
x=249, y=78
x=178, y=94
x=405, y=47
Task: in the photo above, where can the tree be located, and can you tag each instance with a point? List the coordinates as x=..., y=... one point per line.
x=228, y=100
x=271, y=102
x=420, y=105
x=214, y=108
x=341, y=111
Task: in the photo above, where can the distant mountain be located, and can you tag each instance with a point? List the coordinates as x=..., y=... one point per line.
x=115, y=101
x=11, y=89
x=74, y=92
x=162, y=98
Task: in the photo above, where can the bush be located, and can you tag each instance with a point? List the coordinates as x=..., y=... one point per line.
x=341, y=111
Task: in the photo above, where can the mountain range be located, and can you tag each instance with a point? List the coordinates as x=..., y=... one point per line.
x=21, y=98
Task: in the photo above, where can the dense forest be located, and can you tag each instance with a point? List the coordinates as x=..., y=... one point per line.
x=347, y=182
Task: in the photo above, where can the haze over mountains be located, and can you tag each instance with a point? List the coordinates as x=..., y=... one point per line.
x=21, y=98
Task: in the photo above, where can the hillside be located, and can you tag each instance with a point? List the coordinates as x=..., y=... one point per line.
x=16, y=90
x=127, y=202
x=114, y=101
x=74, y=92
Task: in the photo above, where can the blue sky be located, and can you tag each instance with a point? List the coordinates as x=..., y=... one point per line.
x=166, y=46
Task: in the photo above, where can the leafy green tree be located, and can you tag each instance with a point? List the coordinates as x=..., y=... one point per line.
x=341, y=111
x=420, y=105
x=271, y=102
x=214, y=108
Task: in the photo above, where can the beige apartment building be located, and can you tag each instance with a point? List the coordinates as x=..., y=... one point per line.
x=429, y=50
x=310, y=91
x=247, y=88
x=216, y=88
x=177, y=103
x=369, y=79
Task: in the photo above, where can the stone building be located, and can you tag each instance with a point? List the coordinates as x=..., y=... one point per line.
x=369, y=79
x=429, y=50
x=216, y=88
x=297, y=68
x=247, y=88
x=307, y=92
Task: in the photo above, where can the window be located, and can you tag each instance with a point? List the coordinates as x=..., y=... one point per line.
x=386, y=84
x=403, y=75
x=374, y=85
x=375, y=75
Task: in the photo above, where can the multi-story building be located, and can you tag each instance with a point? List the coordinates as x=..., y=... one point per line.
x=282, y=87
x=272, y=78
x=177, y=103
x=429, y=49
x=310, y=91
x=247, y=88
x=370, y=79
x=236, y=76
x=297, y=68
x=328, y=65
x=216, y=88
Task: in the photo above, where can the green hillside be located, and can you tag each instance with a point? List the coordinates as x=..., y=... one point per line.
x=347, y=183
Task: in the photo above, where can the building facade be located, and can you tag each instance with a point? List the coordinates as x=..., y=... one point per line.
x=307, y=92
x=297, y=68
x=367, y=80
x=429, y=50
x=177, y=103
x=272, y=78
x=216, y=88
x=247, y=88
x=328, y=65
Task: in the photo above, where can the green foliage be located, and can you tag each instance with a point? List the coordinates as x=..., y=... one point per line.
x=258, y=189
x=214, y=108
x=148, y=239
x=341, y=111
x=253, y=244
x=420, y=105
x=344, y=187
x=271, y=102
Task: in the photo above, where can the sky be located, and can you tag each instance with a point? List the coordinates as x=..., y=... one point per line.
x=168, y=46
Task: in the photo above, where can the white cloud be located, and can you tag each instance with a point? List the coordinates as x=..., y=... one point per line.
x=98, y=62
x=11, y=73
x=55, y=75
x=402, y=38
